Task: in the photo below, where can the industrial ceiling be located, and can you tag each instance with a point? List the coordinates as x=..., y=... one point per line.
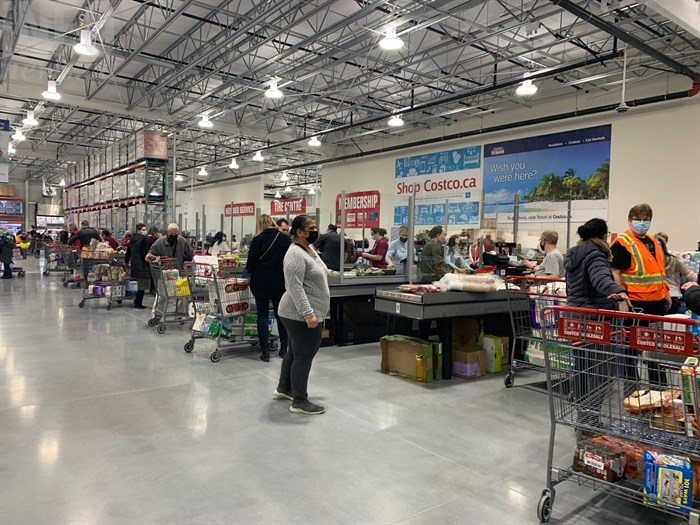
x=162, y=64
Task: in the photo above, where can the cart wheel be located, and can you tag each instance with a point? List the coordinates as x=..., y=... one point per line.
x=119, y=301
x=189, y=346
x=274, y=346
x=509, y=380
x=21, y=274
x=544, y=508
x=65, y=284
x=81, y=304
x=152, y=322
x=215, y=357
x=109, y=306
x=161, y=328
x=46, y=272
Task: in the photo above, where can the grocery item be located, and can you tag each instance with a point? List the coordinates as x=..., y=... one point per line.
x=600, y=460
x=668, y=481
x=641, y=401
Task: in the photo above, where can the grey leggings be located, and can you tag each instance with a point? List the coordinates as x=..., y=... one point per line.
x=304, y=343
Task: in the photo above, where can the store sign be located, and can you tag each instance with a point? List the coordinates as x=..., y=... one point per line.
x=657, y=340
x=288, y=206
x=582, y=330
x=241, y=209
x=361, y=209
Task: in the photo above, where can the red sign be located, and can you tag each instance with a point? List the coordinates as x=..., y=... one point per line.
x=291, y=206
x=583, y=330
x=666, y=341
x=241, y=209
x=361, y=209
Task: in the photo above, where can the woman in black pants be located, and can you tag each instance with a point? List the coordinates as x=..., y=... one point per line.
x=265, y=266
x=302, y=309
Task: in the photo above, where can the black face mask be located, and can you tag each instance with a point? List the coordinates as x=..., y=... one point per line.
x=313, y=236
x=403, y=239
x=172, y=239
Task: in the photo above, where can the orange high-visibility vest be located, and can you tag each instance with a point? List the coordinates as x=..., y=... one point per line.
x=645, y=280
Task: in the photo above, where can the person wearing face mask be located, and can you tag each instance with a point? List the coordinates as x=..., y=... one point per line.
x=328, y=245
x=136, y=253
x=553, y=263
x=219, y=244
x=377, y=255
x=305, y=303
x=638, y=265
x=454, y=256
x=398, y=251
x=432, y=258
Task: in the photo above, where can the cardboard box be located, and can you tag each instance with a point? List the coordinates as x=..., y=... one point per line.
x=7, y=190
x=399, y=357
x=466, y=332
x=668, y=481
x=494, y=353
x=437, y=361
x=468, y=362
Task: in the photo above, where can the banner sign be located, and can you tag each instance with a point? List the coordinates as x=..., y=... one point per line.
x=453, y=176
x=241, y=209
x=544, y=170
x=666, y=341
x=583, y=330
x=361, y=209
x=285, y=206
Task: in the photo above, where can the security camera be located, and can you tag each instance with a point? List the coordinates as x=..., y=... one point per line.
x=622, y=108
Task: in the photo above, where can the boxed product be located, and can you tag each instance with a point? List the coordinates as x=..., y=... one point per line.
x=600, y=460
x=437, y=361
x=634, y=455
x=690, y=380
x=468, y=362
x=408, y=357
x=466, y=332
x=668, y=481
x=494, y=353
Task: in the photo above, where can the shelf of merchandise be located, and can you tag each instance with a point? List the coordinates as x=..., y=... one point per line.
x=12, y=217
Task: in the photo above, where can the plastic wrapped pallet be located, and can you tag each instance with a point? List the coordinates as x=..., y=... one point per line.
x=119, y=183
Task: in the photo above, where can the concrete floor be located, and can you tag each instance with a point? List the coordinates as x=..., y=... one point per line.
x=103, y=421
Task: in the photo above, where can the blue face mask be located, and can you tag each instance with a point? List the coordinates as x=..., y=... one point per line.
x=641, y=226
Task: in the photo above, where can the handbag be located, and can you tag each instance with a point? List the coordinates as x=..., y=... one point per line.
x=269, y=247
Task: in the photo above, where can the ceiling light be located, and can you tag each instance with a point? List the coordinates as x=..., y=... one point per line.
x=312, y=191
x=314, y=142
x=202, y=172
x=391, y=42
x=85, y=47
x=11, y=149
x=62, y=184
x=258, y=157
x=30, y=120
x=234, y=164
x=179, y=178
x=18, y=136
x=204, y=122
x=277, y=195
x=273, y=92
x=526, y=89
x=284, y=177
x=51, y=93
x=395, y=121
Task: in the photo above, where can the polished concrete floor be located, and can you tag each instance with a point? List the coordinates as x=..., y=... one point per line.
x=103, y=421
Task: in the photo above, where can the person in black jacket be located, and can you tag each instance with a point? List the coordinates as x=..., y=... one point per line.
x=136, y=253
x=328, y=245
x=266, y=268
x=84, y=235
x=691, y=294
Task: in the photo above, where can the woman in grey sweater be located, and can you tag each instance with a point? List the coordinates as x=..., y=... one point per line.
x=303, y=306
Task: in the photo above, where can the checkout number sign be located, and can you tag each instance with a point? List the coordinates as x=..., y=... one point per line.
x=361, y=209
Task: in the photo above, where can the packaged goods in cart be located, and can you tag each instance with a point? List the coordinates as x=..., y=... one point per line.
x=641, y=401
x=690, y=381
x=600, y=460
x=182, y=287
x=668, y=481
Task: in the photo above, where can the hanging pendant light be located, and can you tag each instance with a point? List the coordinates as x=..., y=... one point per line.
x=62, y=184
x=85, y=47
x=391, y=42
x=312, y=191
x=258, y=157
x=526, y=89
x=284, y=177
x=314, y=142
x=273, y=91
x=18, y=136
x=204, y=122
x=234, y=164
x=395, y=121
x=277, y=195
x=288, y=189
x=51, y=93
x=203, y=172
x=11, y=149
x=30, y=120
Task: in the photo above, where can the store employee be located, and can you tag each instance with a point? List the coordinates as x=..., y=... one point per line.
x=398, y=251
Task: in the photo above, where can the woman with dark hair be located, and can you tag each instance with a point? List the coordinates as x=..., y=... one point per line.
x=266, y=268
x=377, y=255
x=302, y=309
x=107, y=237
x=432, y=258
x=219, y=245
x=140, y=269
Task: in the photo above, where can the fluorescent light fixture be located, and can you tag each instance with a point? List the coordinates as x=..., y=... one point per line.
x=51, y=93
x=234, y=164
x=179, y=178
x=18, y=136
x=277, y=195
x=284, y=177
x=204, y=122
x=85, y=46
x=391, y=42
x=273, y=92
x=11, y=149
x=202, y=172
x=30, y=120
x=258, y=157
x=395, y=121
x=62, y=184
x=314, y=142
x=312, y=191
x=526, y=89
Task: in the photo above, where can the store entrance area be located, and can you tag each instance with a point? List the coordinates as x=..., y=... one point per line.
x=104, y=421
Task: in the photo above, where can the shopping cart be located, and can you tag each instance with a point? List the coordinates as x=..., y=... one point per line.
x=16, y=255
x=58, y=259
x=633, y=402
x=224, y=309
x=526, y=298
x=103, y=277
x=171, y=302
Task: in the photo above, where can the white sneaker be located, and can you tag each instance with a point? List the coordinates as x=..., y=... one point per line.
x=282, y=395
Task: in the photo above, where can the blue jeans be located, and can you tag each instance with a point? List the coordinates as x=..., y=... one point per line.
x=262, y=305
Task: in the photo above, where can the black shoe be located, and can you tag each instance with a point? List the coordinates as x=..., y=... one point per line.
x=283, y=351
x=139, y=307
x=306, y=408
x=265, y=356
x=282, y=395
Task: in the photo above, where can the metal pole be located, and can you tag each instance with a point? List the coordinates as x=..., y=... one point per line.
x=204, y=224
x=568, y=224
x=516, y=217
x=231, y=236
x=174, y=174
x=410, y=262
x=222, y=222
x=342, y=236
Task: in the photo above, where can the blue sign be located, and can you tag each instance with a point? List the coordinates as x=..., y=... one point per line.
x=4, y=125
x=441, y=162
x=434, y=214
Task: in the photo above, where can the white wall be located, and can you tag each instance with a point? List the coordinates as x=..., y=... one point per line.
x=655, y=158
